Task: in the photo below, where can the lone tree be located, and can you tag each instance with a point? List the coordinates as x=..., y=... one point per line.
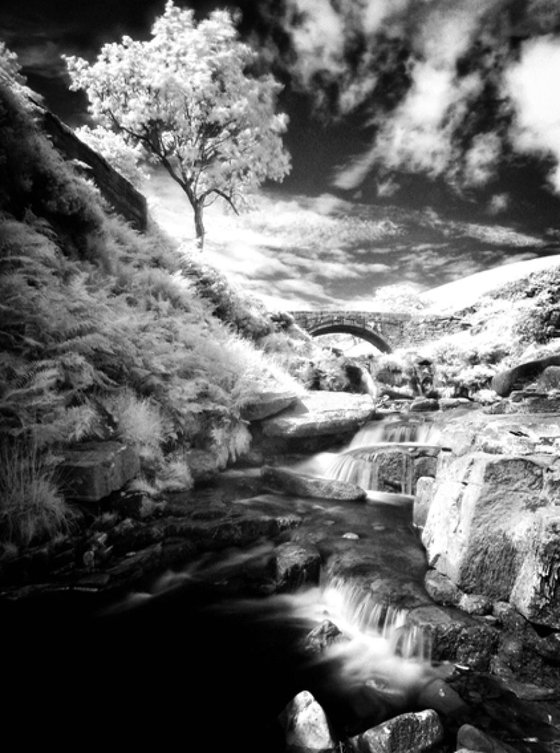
x=190, y=98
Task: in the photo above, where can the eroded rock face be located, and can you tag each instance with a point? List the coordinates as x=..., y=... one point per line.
x=536, y=591
x=406, y=733
x=301, y=485
x=305, y=725
x=481, y=514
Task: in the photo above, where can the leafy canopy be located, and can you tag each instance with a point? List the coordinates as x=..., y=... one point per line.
x=189, y=98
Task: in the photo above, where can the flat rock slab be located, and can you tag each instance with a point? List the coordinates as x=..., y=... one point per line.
x=318, y=413
x=267, y=404
x=300, y=485
x=95, y=469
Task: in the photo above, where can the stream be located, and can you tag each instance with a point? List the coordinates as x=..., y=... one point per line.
x=189, y=661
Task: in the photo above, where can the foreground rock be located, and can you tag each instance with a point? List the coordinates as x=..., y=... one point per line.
x=407, y=733
x=305, y=725
x=301, y=485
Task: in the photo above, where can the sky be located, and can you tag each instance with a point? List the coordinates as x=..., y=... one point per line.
x=424, y=134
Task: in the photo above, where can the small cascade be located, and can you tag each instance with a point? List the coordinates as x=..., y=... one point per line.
x=395, y=430
x=382, y=455
x=359, y=612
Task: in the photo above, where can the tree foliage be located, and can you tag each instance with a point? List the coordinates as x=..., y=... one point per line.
x=191, y=99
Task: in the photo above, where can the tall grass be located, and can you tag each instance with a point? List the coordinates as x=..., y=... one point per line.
x=32, y=508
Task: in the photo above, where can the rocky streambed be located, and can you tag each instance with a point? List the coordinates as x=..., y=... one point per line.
x=269, y=594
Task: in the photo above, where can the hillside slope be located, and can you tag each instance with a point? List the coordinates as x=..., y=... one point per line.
x=109, y=334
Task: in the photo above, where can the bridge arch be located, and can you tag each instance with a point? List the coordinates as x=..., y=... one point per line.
x=363, y=333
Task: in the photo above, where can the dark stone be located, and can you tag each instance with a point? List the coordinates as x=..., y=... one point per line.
x=295, y=566
x=472, y=738
x=424, y=404
x=321, y=637
x=92, y=470
x=519, y=376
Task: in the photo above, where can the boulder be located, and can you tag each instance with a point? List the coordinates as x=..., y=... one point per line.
x=482, y=510
x=321, y=413
x=267, y=404
x=301, y=485
x=305, y=725
x=549, y=379
x=519, y=376
x=441, y=589
x=92, y=470
x=296, y=565
x=536, y=591
x=406, y=733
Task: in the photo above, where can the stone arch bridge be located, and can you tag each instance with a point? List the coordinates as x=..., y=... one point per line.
x=385, y=331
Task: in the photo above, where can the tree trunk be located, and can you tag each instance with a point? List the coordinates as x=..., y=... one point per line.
x=199, y=225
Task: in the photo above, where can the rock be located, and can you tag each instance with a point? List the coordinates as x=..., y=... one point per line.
x=320, y=412
x=296, y=565
x=267, y=404
x=422, y=500
x=456, y=636
x=321, y=637
x=475, y=604
x=406, y=733
x=351, y=536
x=482, y=510
x=439, y=696
x=472, y=738
x=536, y=591
x=203, y=464
x=441, y=589
x=301, y=485
x=449, y=403
x=519, y=376
x=92, y=470
x=549, y=379
x=305, y=725
x=424, y=404
x=424, y=466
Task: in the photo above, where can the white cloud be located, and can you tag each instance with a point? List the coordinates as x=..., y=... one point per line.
x=532, y=85
x=481, y=159
x=419, y=136
x=319, y=37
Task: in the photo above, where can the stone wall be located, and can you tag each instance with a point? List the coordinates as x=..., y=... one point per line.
x=117, y=191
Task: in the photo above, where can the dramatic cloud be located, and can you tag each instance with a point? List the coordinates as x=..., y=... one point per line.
x=431, y=77
x=532, y=85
